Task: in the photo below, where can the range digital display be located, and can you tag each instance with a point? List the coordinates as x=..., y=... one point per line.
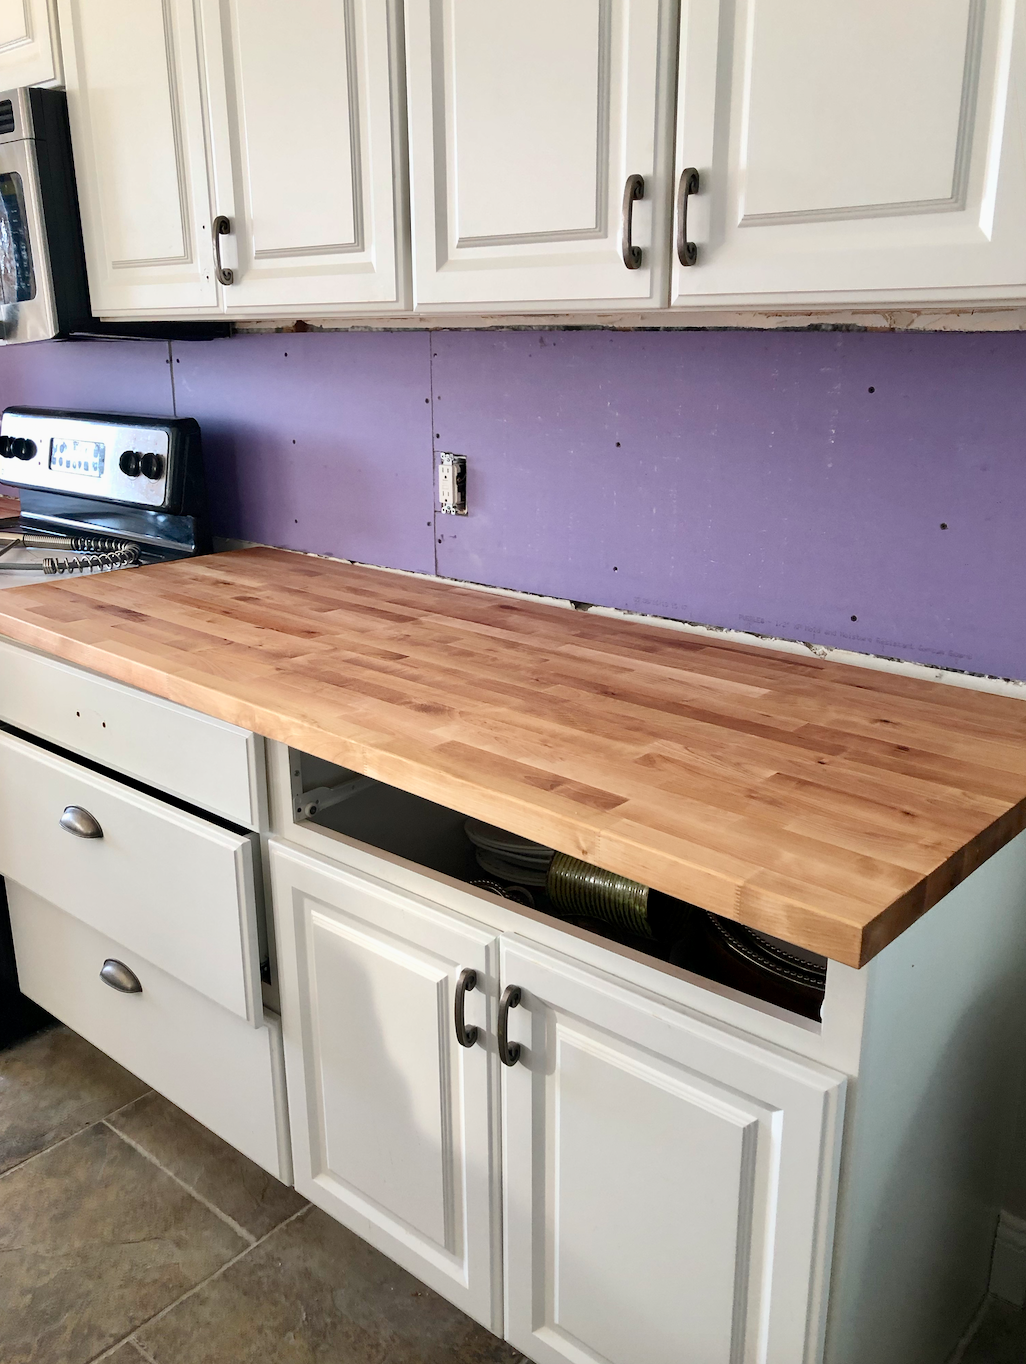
x=83, y=457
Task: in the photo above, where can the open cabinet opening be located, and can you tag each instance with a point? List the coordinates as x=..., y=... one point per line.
x=664, y=929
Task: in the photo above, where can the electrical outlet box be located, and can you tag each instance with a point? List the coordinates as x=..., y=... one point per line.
x=452, y=484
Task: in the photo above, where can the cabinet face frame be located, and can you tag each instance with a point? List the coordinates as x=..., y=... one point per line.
x=331, y=920
x=177, y=275
x=777, y=1122
x=969, y=247
x=369, y=267
x=523, y=269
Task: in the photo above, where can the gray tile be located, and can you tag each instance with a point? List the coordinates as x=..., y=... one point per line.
x=218, y=1173
x=94, y=1240
x=52, y=1085
x=314, y=1293
x=126, y=1353
x=1001, y=1337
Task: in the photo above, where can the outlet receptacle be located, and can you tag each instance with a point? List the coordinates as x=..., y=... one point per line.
x=452, y=484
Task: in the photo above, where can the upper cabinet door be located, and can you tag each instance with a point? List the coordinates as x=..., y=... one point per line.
x=668, y=1185
x=136, y=113
x=859, y=151
x=29, y=53
x=307, y=122
x=526, y=123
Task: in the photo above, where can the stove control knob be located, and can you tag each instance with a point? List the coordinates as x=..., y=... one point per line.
x=5, y=448
x=24, y=449
x=129, y=463
x=152, y=466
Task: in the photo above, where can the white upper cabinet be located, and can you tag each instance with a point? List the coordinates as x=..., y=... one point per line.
x=284, y=123
x=29, y=52
x=852, y=152
x=136, y=110
x=305, y=108
x=526, y=123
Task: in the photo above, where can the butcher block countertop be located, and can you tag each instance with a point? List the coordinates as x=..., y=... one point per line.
x=827, y=804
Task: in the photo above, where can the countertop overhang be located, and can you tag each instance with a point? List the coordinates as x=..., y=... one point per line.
x=828, y=804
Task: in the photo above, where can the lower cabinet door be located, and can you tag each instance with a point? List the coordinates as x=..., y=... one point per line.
x=395, y=1123
x=668, y=1185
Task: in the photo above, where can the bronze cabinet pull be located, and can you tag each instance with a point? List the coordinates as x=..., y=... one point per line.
x=633, y=189
x=221, y=227
x=509, y=1052
x=687, y=252
x=465, y=1036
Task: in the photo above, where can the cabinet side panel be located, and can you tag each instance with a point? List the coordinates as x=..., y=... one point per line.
x=939, y=1071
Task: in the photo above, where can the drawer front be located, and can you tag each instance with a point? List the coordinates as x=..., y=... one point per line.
x=204, y=761
x=228, y=1076
x=175, y=888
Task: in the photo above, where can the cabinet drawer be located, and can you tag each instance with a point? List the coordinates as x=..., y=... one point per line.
x=204, y=761
x=229, y=1076
x=177, y=889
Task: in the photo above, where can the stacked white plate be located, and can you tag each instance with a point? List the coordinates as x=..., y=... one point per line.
x=508, y=856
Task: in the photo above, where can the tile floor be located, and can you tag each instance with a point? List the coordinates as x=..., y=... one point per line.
x=129, y=1233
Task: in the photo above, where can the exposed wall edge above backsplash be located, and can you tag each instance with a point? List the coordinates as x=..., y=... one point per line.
x=882, y=319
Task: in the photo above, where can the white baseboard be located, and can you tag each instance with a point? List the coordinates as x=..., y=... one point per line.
x=1008, y=1267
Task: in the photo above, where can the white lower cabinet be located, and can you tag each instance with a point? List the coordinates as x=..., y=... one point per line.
x=394, y=1123
x=227, y=1074
x=177, y=888
x=667, y=1184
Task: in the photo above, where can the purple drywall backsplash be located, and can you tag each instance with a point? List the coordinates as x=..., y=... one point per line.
x=778, y=482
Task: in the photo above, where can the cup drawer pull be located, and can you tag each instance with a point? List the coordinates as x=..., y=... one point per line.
x=120, y=977
x=80, y=822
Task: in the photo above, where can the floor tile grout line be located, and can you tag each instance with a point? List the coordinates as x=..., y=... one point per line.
x=77, y=1133
x=47, y=1149
x=115, y=1111
x=228, y=1220
x=141, y=1326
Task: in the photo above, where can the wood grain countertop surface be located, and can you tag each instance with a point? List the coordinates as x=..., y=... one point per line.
x=828, y=804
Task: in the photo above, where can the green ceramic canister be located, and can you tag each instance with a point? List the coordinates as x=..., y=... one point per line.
x=577, y=887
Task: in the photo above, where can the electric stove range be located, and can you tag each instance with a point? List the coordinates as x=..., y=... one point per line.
x=99, y=491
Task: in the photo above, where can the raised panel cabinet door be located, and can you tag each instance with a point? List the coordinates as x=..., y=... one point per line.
x=527, y=122
x=858, y=152
x=29, y=51
x=668, y=1185
x=135, y=105
x=312, y=102
x=394, y=1122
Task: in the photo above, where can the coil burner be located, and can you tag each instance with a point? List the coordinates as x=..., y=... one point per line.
x=123, y=557
x=90, y=554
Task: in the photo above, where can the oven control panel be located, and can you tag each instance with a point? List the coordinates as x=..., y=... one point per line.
x=117, y=460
